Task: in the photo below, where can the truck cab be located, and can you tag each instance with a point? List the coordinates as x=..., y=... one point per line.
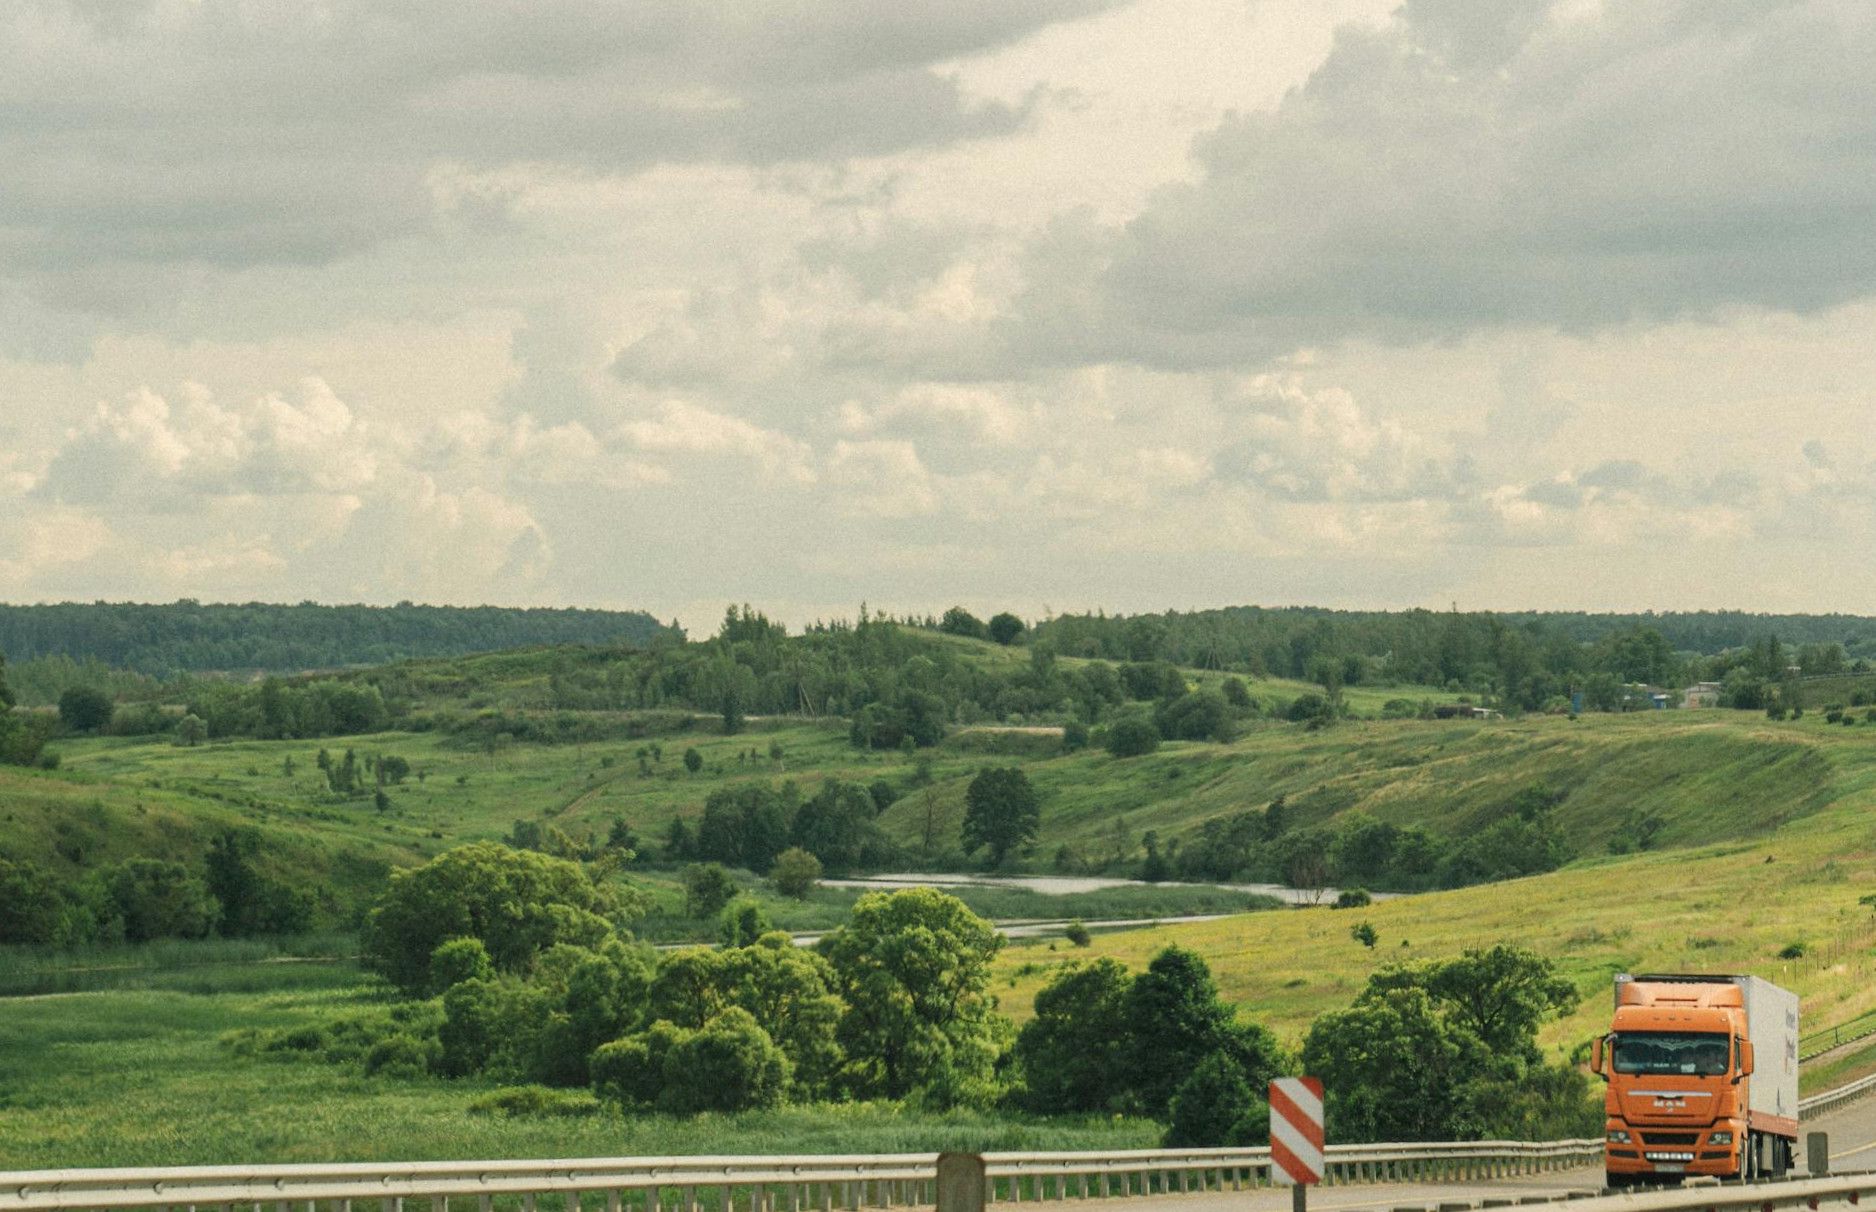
x=1680, y=1059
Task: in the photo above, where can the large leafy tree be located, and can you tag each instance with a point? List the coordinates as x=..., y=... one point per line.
x=914, y=970
x=517, y=902
x=1175, y=1019
x=1501, y=994
x=1072, y=1054
x=1448, y=1050
x=1394, y=1068
x=1002, y=812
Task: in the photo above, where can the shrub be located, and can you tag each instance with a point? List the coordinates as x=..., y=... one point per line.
x=1074, y=736
x=459, y=960
x=742, y=923
x=1077, y=933
x=1132, y=736
x=795, y=873
x=730, y=1065
x=402, y=1055
x=1792, y=951
x=1353, y=898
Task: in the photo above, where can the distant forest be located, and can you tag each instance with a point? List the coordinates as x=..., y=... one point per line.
x=189, y=637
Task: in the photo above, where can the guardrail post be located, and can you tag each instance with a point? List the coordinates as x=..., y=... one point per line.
x=1817, y=1153
x=960, y=1182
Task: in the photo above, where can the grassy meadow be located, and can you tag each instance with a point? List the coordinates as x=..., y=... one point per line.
x=142, y=1078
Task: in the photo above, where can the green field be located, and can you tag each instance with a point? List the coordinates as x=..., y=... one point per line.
x=142, y=1078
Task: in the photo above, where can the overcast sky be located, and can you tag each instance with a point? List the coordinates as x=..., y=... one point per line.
x=1028, y=304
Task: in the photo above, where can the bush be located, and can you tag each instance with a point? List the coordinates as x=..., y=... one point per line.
x=402, y=1055
x=85, y=709
x=730, y=1065
x=1353, y=898
x=795, y=873
x=517, y=902
x=707, y=889
x=1074, y=736
x=1792, y=951
x=459, y=960
x=1132, y=736
x=1077, y=933
x=152, y=899
x=742, y=923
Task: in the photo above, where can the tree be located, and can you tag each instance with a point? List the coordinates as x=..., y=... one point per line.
x=85, y=709
x=1002, y=812
x=1175, y=1019
x=1132, y=736
x=795, y=873
x=1005, y=628
x=1071, y=1054
x=250, y=902
x=1501, y=994
x=959, y=621
x=156, y=899
x=190, y=730
x=517, y=902
x=33, y=907
x=1215, y=1106
x=914, y=969
x=742, y=922
x=707, y=888
x=693, y=761
x=1395, y=1069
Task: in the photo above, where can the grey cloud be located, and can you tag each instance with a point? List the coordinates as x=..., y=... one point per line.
x=1461, y=169
x=234, y=133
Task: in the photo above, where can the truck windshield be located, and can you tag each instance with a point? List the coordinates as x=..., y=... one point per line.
x=1670, y=1052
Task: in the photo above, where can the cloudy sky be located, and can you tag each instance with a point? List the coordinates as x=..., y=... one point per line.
x=1041, y=304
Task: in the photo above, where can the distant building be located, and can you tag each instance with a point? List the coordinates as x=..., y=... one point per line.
x=1701, y=694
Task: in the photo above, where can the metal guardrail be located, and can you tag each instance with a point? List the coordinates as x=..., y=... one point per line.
x=759, y=1184
x=1816, y=1044
x=827, y=1183
x=1830, y=1100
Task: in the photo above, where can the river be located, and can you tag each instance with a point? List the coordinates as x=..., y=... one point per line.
x=1063, y=885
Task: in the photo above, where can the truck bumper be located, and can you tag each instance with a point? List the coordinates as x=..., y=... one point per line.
x=1640, y=1158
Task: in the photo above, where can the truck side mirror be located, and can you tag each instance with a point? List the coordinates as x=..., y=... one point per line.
x=1745, y=1056
x=1596, y=1059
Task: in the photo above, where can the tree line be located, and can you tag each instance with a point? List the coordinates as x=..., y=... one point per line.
x=188, y=636
x=1527, y=661
x=516, y=967
x=143, y=900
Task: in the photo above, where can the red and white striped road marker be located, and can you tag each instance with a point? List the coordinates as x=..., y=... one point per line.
x=1296, y=1130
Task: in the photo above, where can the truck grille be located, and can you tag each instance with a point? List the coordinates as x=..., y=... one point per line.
x=1670, y=1138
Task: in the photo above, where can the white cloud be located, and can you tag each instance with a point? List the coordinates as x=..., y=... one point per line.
x=684, y=429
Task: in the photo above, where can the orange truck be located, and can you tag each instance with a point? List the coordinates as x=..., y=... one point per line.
x=1703, y=1078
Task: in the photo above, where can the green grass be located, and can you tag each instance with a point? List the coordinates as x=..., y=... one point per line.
x=140, y=1079
x=190, y=965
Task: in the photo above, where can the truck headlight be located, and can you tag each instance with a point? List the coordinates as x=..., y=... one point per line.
x=1618, y=1136
x=1720, y=1138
